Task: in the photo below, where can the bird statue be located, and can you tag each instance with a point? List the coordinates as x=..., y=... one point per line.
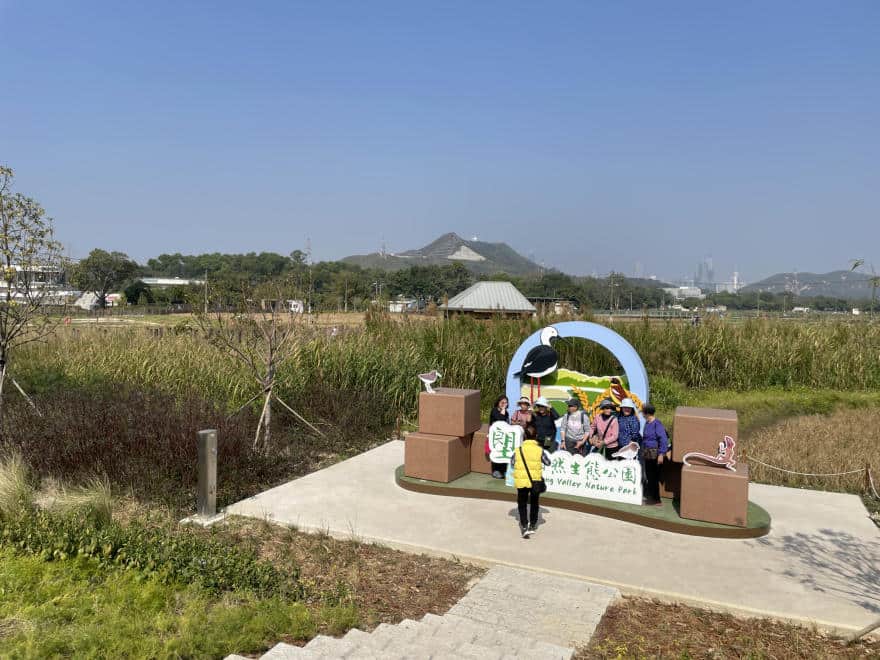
x=541, y=361
x=627, y=453
x=429, y=379
x=724, y=457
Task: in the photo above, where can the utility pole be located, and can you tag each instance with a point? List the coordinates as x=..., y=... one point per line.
x=206, y=291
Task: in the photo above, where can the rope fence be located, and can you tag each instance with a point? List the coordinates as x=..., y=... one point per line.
x=865, y=470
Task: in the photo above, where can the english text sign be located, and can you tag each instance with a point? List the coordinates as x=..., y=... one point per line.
x=504, y=438
x=594, y=476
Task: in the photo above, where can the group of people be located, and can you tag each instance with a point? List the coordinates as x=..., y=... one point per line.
x=612, y=429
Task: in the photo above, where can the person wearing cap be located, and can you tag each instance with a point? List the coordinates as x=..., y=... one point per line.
x=544, y=420
x=630, y=430
x=654, y=447
x=575, y=428
x=522, y=416
x=605, y=429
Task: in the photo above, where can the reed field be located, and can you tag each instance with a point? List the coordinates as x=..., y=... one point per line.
x=361, y=381
x=383, y=357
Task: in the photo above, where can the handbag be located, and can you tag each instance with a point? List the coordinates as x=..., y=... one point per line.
x=537, y=486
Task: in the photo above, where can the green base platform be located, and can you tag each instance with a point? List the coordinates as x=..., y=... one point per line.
x=666, y=517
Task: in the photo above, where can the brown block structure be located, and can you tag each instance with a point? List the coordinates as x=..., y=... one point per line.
x=449, y=412
x=670, y=479
x=701, y=429
x=479, y=462
x=437, y=457
x=715, y=494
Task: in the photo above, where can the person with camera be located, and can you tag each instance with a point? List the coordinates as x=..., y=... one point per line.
x=527, y=463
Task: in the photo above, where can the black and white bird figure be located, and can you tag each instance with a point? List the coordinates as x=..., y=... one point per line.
x=429, y=379
x=542, y=360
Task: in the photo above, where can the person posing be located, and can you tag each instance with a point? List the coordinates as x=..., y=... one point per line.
x=604, y=430
x=628, y=422
x=522, y=416
x=544, y=420
x=499, y=414
x=527, y=464
x=655, y=444
x=575, y=428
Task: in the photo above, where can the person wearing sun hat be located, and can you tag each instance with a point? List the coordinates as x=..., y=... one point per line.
x=522, y=416
x=544, y=420
x=575, y=428
x=628, y=422
x=605, y=429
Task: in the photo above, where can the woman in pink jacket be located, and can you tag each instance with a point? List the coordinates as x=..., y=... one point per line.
x=604, y=430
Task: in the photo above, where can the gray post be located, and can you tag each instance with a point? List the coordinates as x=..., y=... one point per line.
x=206, y=496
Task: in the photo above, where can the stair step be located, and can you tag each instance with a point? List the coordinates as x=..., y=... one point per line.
x=282, y=651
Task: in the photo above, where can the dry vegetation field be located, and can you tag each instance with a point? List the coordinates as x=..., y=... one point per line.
x=121, y=403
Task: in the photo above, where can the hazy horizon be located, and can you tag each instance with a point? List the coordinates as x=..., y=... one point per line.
x=588, y=136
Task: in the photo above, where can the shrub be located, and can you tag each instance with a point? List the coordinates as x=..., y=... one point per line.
x=144, y=442
x=180, y=557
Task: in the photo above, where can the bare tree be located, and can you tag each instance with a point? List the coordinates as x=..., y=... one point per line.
x=31, y=261
x=261, y=334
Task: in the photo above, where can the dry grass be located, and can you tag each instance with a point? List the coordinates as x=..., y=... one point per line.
x=639, y=628
x=841, y=441
x=385, y=585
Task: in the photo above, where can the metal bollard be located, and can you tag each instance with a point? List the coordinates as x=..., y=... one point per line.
x=206, y=496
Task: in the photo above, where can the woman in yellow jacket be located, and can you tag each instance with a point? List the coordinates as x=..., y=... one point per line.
x=527, y=464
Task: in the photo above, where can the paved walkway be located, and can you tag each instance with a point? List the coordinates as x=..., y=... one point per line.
x=819, y=564
x=487, y=624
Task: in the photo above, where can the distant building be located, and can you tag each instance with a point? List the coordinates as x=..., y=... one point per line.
x=401, y=305
x=167, y=282
x=489, y=299
x=684, y=292
x=554, y=306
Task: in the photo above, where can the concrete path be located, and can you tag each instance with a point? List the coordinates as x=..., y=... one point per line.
x=819, y=564
x=510, y=613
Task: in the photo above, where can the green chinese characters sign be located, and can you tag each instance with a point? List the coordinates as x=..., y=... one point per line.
x=594, y=476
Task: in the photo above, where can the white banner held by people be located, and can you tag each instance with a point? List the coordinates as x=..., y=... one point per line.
x=504, y=439
x=594, y=476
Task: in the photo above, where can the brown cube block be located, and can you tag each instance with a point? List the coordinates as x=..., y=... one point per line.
x=436, y=457
x=449, y=411
x=479, y=462
x=715, y=494
x=701, y=429
x=670, y=479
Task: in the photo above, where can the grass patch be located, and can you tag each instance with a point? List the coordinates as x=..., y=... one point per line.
x=78, y=608
x=640, y=628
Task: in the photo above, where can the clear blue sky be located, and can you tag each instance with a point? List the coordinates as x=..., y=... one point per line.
x=592, y=134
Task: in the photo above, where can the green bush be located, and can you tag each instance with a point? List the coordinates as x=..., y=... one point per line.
x=171, y=557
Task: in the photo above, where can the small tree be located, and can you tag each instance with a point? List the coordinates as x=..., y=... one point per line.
x=102, y=272
x=261, y=334
x=31, y=259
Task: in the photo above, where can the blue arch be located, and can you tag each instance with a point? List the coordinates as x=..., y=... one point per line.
x=619, y=347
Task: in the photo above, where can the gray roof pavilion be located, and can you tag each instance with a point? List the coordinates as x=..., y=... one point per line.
x=490, y=298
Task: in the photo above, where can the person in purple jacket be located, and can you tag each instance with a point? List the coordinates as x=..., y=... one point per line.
x=655, y=444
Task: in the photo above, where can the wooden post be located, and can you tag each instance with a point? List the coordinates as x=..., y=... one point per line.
x=206, y=495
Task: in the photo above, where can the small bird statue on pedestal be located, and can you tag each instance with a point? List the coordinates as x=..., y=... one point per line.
x=429, y=379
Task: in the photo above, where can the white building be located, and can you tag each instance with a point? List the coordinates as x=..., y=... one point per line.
x=684, y=292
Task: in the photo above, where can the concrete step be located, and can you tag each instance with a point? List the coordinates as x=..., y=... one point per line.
x=509, y=614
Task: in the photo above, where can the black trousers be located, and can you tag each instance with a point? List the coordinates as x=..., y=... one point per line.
x=652, y=477
x=527, y=497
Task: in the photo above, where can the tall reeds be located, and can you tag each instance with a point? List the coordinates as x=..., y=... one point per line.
x=382, y=359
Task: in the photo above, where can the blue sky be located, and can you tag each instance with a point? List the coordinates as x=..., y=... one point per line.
x=592, y=135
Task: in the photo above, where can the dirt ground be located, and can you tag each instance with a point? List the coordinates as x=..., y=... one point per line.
x=640, y=628
x=386, y=585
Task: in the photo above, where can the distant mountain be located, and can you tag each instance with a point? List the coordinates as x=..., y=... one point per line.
x=477, y=256
x=837, y=284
